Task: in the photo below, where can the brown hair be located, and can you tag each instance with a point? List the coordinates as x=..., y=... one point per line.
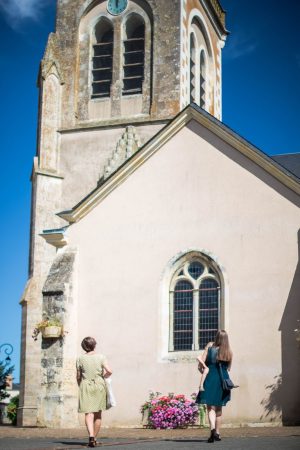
x=88, y=344
x=222, y=341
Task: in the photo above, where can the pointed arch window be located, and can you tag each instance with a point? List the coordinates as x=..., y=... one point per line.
x=134, y=55
x=194, y=305
x=102, y=58
x=192, y=69
x=202, y=79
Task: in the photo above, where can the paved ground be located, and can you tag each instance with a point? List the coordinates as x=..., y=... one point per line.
x=279, y=438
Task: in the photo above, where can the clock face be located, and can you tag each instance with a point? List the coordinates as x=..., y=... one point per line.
x=116, y=7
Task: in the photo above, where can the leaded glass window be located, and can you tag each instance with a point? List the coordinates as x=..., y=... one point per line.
x=195, y=305
x=208, y=311
x=183, y=315
x=195, y=269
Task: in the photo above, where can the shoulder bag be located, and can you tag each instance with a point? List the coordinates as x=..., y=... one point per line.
x=227, y=383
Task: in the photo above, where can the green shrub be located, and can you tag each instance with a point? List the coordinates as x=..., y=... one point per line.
x=12, y=409
x=5, y=370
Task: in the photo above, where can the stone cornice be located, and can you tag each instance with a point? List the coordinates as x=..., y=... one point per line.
x=47, y=173
x=217, y=15
x=218, y=10
x=55, y=237
x=115, y=123
x=36, y=170
x=191, y=112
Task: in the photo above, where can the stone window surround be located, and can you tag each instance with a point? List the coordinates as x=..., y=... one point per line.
x=196, y=296
x=187, y=356
x=116, y=105
x=197, y=27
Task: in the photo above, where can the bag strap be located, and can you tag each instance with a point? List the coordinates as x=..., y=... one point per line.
x=221, y=373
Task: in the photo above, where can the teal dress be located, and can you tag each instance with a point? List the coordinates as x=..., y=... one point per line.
x=213, y=394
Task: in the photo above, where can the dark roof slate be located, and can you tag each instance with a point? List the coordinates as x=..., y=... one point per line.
x=290, y=161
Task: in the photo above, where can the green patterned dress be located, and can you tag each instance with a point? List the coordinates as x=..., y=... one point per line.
x=92, y=388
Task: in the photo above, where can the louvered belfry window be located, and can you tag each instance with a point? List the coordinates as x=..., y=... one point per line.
x=194, y=306
x=202, y=79
x=134, y=55
x=192, y=69
x=102, y=59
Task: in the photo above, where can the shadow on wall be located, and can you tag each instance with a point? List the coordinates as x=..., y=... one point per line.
x=273, y=402
x=284, y=394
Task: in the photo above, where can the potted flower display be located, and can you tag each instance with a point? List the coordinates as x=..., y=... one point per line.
x=170, y=411
x=50, y=327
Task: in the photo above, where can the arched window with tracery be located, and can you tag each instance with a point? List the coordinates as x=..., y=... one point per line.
x=134, y=55
x=192, y=68
x=202, y=79
x=194, y=305
x=102, y=58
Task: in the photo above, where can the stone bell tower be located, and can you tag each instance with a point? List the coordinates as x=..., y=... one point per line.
x=113, y=74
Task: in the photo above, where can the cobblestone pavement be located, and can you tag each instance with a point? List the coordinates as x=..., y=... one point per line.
x=277, y=438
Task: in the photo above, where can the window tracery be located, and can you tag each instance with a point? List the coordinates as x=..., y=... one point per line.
x=194, y=305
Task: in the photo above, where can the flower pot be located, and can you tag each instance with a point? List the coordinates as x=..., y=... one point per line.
x=51, y=332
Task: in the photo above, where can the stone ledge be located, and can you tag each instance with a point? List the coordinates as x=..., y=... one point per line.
x=116, y=123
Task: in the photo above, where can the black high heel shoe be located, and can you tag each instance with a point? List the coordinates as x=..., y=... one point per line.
x=217, y=437
x=212, y=436
x=92, y=442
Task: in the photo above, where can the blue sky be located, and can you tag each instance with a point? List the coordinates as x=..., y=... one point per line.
x=261, y=98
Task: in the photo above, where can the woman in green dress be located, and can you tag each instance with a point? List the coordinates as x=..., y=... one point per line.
x=212, y=393
x=92, y=369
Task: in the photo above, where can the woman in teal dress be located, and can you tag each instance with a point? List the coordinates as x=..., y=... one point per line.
x=92, y=369
x=212, y=393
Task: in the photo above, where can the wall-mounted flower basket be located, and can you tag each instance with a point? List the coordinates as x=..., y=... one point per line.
x=51, y=332
x=50, y=328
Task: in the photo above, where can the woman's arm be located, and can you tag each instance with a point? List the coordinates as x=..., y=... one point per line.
x=107, y=370
x=202, y=358
x=78, y=376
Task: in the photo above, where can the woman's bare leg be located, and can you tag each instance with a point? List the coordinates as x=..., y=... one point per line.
x=212, y=416
x=97, y=423
x=218, y=419
x=89, y=422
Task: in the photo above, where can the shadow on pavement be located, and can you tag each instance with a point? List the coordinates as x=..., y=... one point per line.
x=102, y=443
x=185, y=440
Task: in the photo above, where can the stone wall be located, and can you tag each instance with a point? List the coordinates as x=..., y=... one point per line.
x=57, y=401
x=73, y=47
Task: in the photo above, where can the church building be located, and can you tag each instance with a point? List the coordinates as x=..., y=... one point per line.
x=153, y=224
